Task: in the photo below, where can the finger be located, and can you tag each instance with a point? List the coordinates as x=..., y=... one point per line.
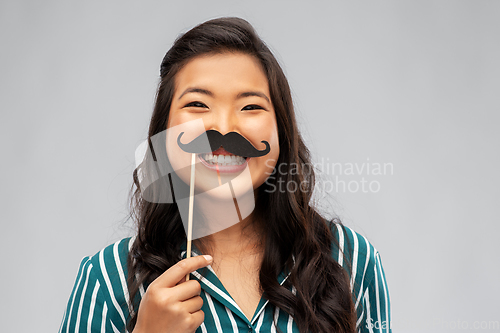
x=186, y=290
x=178, y=271
x=193, y=304
x=198, y=318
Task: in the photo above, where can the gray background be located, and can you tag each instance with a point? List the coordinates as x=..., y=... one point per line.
x=412, y=83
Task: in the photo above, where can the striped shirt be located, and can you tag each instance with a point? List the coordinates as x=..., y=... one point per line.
x=99, y=300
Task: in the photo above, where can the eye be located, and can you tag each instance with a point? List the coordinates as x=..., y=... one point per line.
x=196, y=105
x=252, y=107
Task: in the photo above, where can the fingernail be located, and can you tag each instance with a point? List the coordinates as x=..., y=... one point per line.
x=208, y=257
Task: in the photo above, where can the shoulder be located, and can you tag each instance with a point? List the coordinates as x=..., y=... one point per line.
x=110, y=268
x=367, y=278
x=100, y=294
x=351, y=248
x=357, y=255
x=112, y=259
x=109, y=265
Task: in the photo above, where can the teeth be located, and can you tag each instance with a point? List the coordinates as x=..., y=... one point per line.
x=223, y=159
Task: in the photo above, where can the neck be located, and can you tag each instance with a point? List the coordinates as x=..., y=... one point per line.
x=241, y=239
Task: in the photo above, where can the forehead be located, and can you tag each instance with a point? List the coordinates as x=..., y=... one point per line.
x=224, y=72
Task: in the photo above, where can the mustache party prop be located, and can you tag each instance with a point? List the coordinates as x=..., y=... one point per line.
x=232, y=142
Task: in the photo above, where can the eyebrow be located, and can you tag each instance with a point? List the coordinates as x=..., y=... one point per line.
x=197, y=90
x=211, y=94
x=253, y=93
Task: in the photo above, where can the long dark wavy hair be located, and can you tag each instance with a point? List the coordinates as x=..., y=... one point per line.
x=297, y=238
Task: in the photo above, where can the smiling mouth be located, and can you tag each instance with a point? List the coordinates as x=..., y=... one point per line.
x=223, y=159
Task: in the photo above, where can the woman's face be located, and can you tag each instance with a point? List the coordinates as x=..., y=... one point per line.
x=229, y=92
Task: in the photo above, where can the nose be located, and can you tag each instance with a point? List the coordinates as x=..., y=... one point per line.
x=223, y=121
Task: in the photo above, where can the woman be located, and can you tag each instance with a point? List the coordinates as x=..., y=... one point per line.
x=281, y=267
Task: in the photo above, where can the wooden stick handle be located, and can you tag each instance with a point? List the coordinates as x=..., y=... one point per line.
x=190, y=216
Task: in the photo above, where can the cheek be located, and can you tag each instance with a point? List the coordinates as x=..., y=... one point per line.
x=179, y=159
x=261, y=129
x=262, y=167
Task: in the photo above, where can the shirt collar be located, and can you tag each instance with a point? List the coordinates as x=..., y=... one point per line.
x=211, y=284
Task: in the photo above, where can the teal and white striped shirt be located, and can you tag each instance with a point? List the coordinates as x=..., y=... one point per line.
x=98, y=302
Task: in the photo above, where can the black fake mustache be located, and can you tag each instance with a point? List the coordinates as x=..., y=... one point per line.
x=232, y=142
